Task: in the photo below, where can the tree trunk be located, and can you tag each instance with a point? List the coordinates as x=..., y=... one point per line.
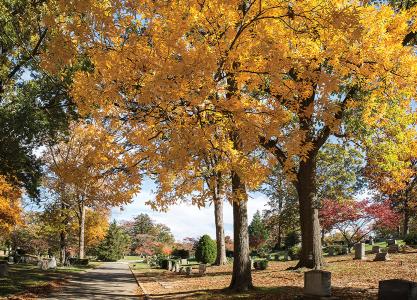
x=62, y=246
x=311, y=253
x=81, y=231
x=406, y=225
x=241, y=277
x=221, y=245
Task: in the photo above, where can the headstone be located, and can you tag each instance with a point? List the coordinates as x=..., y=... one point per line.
x=317, y=283
x=376, y=249
x=169, y=265
x=189, y=270
x=393, y=248
x=277, y=257
x=391, y=242
x=184, y=262
x=371, y=241
x=360, y=251
x=202, y=268
x=11, y=260
x=182, y=270
x=331, y=251
x=381, y=256
x=52, y=263
x=251, y=263
x=43, y=264
x=397, y=289
x=287, y=257
x=4, y=268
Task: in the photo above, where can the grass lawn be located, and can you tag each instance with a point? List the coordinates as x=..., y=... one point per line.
x=24, y=278
x=351, y=279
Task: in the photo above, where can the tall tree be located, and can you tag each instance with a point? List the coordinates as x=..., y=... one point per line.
x=258, y=233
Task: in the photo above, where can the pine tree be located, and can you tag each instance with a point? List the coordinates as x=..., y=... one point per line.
x=258, y=233
x=114, y=245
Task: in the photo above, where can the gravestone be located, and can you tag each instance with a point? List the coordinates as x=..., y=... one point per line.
x=391, y=242
x=169, y=265
x=202, y=268
x=331, y=251
x=251, y=263
x=11, y=260
x=397, y=289
x=376, y=249
x=43, y=264
x=189, y=270
x=277, y=257
x=371, y=241
x=381, y=256
x=177, y=267
x=360, y=251
x=52, y=263
x=317, y=283
x=184, y=262
x=393, y=248
x=182, y=270
x=4, y=268
x=287, y=257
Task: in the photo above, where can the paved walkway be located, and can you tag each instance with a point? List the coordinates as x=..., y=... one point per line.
x=109, y=281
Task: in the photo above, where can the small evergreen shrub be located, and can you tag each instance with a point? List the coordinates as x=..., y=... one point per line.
x=260, y=264
x=206, y=251
x=411, y=239
x=292, y=239
x=294, y=252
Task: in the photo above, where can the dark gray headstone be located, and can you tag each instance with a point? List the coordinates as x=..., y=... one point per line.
x=391, y=242
x=393, y=248
x=331, y=251
x=376, y=249
x=381, y=256
x=317, y=283
x=397, y=289
x=4, y=268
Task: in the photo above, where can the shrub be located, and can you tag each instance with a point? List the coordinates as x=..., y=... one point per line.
x=411, y=239
x=229, y=253
x=155, y=260
x=78, y=261
x=260, y=264
x=206, y=251
x=181, y=253
x=292, y=239
x=294, y=252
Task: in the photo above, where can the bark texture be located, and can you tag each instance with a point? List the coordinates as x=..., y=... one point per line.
x=242, y=276
x=221, y=245
x=81, y=236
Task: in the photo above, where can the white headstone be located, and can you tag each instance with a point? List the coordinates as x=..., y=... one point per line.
x=52, y=263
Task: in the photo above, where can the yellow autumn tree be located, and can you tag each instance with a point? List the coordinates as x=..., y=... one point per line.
x=10, y=206
x=89, y=171
x=177, y=79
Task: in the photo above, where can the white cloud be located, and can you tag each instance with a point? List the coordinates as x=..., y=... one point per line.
x=184, y=219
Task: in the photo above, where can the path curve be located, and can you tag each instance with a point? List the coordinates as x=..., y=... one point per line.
x=112, y=281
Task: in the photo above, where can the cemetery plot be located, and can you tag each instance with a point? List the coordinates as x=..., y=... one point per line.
x=350, y=279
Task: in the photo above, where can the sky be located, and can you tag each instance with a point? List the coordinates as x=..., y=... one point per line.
x=183, y=219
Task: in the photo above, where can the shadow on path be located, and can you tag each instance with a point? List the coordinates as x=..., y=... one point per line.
x=109, y=281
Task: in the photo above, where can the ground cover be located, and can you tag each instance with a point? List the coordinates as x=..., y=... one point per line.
x=26, y=280
x=351, y=279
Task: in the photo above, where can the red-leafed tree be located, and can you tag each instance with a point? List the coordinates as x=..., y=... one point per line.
x=356, y=219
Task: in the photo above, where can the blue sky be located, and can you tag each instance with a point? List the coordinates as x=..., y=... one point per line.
x=185, y=220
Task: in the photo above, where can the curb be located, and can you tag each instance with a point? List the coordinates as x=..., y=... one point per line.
x=146, y=295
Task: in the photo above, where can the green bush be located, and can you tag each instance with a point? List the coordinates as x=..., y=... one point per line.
x=260, y=264
x=181, y=253
x=78, y=261
x=411, y=239
x=294, y=252
x=292, y=239
x=206, y=251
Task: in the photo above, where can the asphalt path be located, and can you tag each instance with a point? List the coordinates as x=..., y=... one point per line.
x=108, y=281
